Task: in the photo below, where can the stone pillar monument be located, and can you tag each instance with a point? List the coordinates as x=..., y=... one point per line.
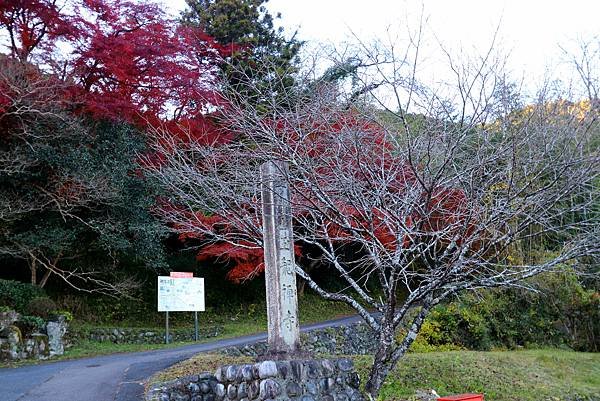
x=285, y=373
x=280, y=271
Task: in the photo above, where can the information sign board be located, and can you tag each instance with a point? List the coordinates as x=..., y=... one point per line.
x=180, y=294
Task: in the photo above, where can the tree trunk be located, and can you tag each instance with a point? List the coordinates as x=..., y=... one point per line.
x=45, y=278
x=381, y=361
x=33, y=269
x=390, y=352
x=379, y=372
x=50, y=270
x=300, y=286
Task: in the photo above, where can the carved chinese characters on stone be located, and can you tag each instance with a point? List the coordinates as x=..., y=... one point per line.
x=280, y=271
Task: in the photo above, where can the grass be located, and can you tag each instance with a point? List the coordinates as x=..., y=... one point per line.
x=532, y=375
x=205, y=362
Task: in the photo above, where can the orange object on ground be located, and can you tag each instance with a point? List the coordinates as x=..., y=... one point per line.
x=462, y=397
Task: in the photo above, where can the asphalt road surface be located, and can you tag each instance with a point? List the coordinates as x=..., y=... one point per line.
x=117, y=377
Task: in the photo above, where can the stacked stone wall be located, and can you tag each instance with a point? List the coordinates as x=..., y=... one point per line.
x=299, y=380
x=354, y=339
x=120, y=335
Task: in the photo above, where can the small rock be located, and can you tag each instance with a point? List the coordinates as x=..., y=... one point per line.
x=231, y=373
x=313, y=369
x=242, y=390
x=220, y=375
x=297, y=370
x=426, y=395
x=231, y=391
x=328, y=368
x=283, y=368
x=220, y=391
x=253, y=389
x=204, y=387
x=340, y=397
x=246, y=372
x=356, y=396
x=293, y=389
x=345, y=364
x=255, y=374
x=312, y=387
x=267, y=369
x=269, y=388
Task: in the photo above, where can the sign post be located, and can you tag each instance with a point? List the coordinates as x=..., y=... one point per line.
x=180, y=292
x=167, y=327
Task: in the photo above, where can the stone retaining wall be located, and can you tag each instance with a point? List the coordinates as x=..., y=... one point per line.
x=200, y=387
x=315, y=380
x=354, y=339
x=140, y=335
x=301, y=380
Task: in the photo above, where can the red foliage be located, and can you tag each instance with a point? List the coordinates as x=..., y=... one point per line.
x=127, y=60
x=35, y=24
x=367, y=159
x=135, y=63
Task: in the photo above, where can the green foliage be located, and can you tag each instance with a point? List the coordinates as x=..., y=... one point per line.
x=17, y=295
x=560, y=313
x=266, y=58
x=30, y=324
x=41, y=306
x=431, y=338
x=66, y=314
x=99, y=212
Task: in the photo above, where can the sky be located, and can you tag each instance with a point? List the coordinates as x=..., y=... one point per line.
x=530, y=31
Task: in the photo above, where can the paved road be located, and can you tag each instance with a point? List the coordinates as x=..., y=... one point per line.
x=117, y=377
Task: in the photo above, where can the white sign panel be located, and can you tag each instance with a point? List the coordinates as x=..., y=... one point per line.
x=180, y=294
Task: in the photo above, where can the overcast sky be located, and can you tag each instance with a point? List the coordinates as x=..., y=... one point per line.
x=530, y=30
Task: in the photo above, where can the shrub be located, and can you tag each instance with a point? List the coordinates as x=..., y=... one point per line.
x=68, y=315
x=432, y=338
x=30, y=324
x=562, y=312
x=17, y=295
x=41, y=306
x=4, y=308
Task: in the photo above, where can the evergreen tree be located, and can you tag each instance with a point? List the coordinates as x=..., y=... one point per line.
x=260, y=52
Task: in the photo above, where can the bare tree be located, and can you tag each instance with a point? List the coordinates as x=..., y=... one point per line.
x=585, y=60
x=410, y=193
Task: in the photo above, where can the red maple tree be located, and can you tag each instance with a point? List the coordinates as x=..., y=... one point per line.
x=124, y=60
